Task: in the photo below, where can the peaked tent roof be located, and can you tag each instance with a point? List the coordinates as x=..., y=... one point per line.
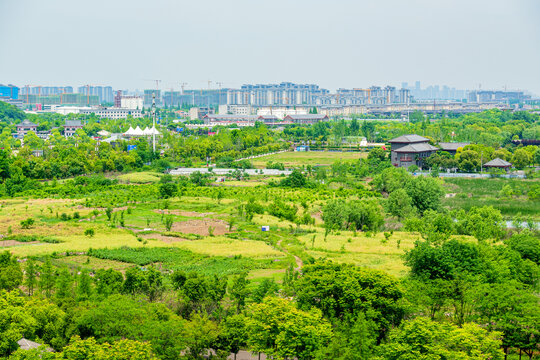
x=138, y=131
x=409, y=139
x=498, y=163
x=147, y=131
x=153, y=131
x=130, y=131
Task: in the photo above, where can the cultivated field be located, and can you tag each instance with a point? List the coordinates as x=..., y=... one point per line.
x=313, y=158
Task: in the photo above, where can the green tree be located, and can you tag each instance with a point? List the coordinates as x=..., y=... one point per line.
x=295, y=180
x=4, y=165
x=521, y=158
x=355, y=341
x=425, y=339
x=365, y=214
x=64, y=285
x=168, y=190
x=31, y=276
x=425, y=192
x=84, y=285
x=277, y=328
x=483, y=223
x=46, y=277
x=341, y=290
x=233, y=334
x=468, y=160
x=399, y=204
x=11, y=275
x=239, y=291
x=201, y=335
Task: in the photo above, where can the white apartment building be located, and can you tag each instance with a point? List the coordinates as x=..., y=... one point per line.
x=113, y=113
x=281, y=112
x=236, y=110
x=132, y=102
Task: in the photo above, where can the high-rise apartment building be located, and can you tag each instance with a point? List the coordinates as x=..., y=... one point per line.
x=104, y=93
x=487, y=96
x=285, y=93
x=148, y=97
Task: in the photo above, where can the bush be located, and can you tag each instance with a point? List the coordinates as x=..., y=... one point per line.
x=167, y=190
x=89, y=232
x=295, y=180
x=283, y=211
x=27, y=224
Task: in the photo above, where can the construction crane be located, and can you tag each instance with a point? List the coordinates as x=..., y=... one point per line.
x=88, y=93
x=219, y=84
x=28, y=90
x=182, y=85
x=62, y=96
x=156, y=80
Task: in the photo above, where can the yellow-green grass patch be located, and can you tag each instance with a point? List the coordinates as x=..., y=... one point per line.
x=145, y=177
x=392, y=264
x=222, y=246
x=256, y=276
x=89, y=262
x=293, y=159
x=81, y=243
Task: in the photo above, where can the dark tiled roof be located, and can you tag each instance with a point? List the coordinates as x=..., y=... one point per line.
x=445, y=146
x=73, y=123
x=26, y=344
x=409, y=139
x=26, y=122
x=307, y=117
x=225, y=117
x=498, y=163
x=416, y=148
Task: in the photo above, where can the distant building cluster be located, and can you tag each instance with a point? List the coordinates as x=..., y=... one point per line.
x=285, y=93
x=281, y=100
x=435, y=92
x=488, y=96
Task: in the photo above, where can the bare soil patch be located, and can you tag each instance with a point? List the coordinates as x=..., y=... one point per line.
x=165, y=239
x=317, y=216
x=5, y=243
x=200, y=227
x=183, y=213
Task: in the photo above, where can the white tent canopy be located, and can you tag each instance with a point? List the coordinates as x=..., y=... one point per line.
x=153, y=131
x=129, y=132
x=139, y=132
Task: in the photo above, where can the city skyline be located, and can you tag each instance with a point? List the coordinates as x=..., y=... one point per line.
x=121, y=43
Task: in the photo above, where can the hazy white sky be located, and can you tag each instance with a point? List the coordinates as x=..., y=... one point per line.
x=339, y=43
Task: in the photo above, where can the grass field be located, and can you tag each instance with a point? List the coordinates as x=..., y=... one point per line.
x=145, y=177
x=486, y=192
x=313, y=158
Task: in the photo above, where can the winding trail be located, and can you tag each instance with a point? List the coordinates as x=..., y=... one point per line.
x=297, y=260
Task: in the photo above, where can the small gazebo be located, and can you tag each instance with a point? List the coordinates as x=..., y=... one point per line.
x=499, y=164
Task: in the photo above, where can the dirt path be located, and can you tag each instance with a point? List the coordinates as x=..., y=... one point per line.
x=299, y=262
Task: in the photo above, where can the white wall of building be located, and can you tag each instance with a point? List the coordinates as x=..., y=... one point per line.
x=131, y=102
x=281, y=112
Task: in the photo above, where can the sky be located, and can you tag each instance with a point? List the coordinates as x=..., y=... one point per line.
x=465, y=44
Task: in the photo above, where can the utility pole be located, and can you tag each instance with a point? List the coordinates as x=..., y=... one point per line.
x=154, y=122
x=482, y=163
